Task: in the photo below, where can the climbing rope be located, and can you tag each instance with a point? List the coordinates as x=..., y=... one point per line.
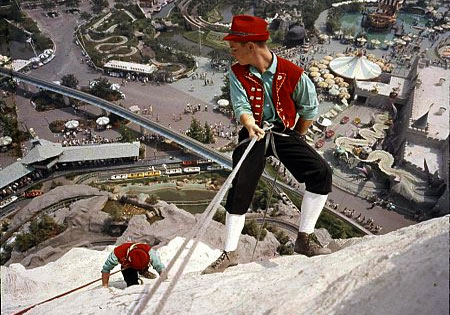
x=270, y=140
x=197, y=231
x=267, y=207
x=61, y=295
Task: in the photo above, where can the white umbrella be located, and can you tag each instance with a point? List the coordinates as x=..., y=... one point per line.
x=361, y=40
x=318, y=79
x=314, y=74
x=406, y=38
x=324, y=71
x=322, y=84
x=328, y=76
x=72, y=124
x=329, y=58
x=323, y=36
x=375, y=42
x=102, y=121
x=334, y=86
x=340, y=55
x=329, y=81
x=312, y=69
x=4, y=141
x=334, y=92
x=438, y=28
x=223, y=102
x=322, y=66
x=388, y=42
x=349, y=37
x=134, y=108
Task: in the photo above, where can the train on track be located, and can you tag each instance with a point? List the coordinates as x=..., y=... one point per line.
x=7, y=201
x=187, y=167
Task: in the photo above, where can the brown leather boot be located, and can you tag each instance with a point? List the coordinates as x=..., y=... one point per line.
x=225, y=260
x=309, y=245
x=147, y=274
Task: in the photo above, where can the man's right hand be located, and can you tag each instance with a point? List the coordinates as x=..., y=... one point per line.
x=253, y=129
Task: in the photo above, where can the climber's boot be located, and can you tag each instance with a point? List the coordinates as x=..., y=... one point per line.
x=309, y=245
x=225, y=260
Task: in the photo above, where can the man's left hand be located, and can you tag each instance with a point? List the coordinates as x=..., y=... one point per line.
x=163, y=275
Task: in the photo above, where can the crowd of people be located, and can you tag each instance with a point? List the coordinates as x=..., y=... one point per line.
x=368, y=223
x=72, y=138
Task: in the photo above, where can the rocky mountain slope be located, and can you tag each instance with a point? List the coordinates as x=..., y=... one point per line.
x=403, y=272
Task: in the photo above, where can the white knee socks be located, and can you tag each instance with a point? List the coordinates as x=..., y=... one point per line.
x=234, y=224
x=312, y=205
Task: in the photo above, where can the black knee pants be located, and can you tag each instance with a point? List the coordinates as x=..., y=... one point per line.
x=130, y=276
x=304, y=163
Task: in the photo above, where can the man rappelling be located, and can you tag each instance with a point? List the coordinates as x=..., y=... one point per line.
x=135, y=259
x=268, y=88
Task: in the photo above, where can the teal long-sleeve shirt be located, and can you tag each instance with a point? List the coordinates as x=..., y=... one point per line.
x=112, y=261
x=304, y=96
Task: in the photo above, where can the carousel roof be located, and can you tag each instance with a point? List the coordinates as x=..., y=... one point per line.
x=357, y=67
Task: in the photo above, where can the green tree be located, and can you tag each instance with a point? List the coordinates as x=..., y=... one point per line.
x=70, y=81
x=195, y=130
x=126, y=134
x=261, y=196
x=73, y=3
x=253, y=229
x=226, y=89
x=103, y=90
x=98, y=5
x=5, y=254
x=40, y=229
x=48, y=4
x=85, y=15
x=209, y=137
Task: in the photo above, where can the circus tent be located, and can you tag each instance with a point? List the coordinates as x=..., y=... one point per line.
x=357, y=67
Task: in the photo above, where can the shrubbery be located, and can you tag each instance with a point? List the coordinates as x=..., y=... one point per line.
x=252, y=228
x=261, y=196
x=284, y=248
x=114, y=209
x=40, y=229
x=337, y=227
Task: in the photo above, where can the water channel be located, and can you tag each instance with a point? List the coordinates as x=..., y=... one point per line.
x=171, y=193
x=407, y=20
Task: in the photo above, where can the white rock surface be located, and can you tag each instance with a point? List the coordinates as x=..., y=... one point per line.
x=403, y=272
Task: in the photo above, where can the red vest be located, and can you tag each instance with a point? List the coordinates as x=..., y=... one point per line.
x=121, y=251
x=284, y=83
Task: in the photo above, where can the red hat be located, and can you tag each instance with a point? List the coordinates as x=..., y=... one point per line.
x=138, y=258
x=247, y=28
